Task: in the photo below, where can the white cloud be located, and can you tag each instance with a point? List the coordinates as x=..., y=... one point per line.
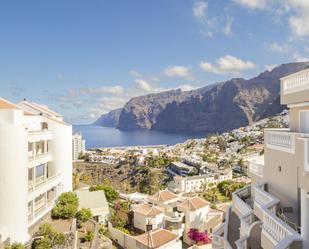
x=296, y=13
x=270, y=67
x=135, y=74
x=209, y=23
x=253, y=4
x=177, y=71
x=227, y=64
x=300, y=58
x=279, y=48
x=187, y=87
x=143, y=85
x=199, y=9
x=300, y=25
x=227, y=30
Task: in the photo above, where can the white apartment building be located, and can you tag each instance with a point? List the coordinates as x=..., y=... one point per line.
x=78, y=146
x=35, y=168
x=273, y=212
x=192, y=184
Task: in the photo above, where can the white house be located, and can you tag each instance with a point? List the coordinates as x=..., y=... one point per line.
x=197, y=216
x=96, y=202
x=147, y=213
x=36, y=165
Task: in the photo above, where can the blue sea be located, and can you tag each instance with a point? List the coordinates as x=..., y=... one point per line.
x=99, y=137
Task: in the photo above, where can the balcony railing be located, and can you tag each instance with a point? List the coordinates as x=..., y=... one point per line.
x=39, y=135
x=273, y=226
x=41, y=182
x=280, y=140
x=239, y=205
x=256, y=166
x=296, y=82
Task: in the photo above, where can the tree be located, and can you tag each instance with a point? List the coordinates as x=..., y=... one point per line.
x=51, y=237
x=66, y=207
x=89, y=236
x=44, y=243
x=83, y=216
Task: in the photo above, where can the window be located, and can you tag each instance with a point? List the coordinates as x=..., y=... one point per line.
x=39, y=171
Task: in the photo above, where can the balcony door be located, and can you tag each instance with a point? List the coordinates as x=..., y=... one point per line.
x=304, y=121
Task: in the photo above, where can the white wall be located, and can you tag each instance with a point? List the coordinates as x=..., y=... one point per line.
x=140, y=221
x=13, y=183
x=61, y=148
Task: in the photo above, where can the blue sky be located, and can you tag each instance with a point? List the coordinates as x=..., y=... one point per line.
x=84, y=58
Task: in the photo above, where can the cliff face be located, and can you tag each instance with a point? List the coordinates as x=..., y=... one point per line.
x=109, y=119
x=216, y=108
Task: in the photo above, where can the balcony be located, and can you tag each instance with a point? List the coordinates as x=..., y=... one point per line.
x=295, y=87
x=42, y=185
x=39, y=135
x=256, y=166
x=280, y=139
x=274, y=230
x=39, y=159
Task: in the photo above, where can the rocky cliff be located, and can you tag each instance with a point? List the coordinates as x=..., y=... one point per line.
x=109, y=119
x=216, y=108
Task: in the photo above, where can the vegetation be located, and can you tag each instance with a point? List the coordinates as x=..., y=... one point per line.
x=83, y=216
x=89, y=236
x=76, y=177
x=15, y=246
x=110, y=193
x=102, y=230
x=227, y=187
x=50, y=237
x=200, y=238
x=66, y=207
x=158, y=161
x=122, y=229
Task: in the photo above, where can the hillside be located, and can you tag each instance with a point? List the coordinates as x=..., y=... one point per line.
x=216, y=108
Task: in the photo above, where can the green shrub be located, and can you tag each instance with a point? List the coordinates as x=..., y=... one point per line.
x=44, y=243
x=83, y=216
x=50, y=235
x=110, y=193
x=89, y=236
x=66, y=207
x=102, y=230
x=123, y=230
x=15, y=246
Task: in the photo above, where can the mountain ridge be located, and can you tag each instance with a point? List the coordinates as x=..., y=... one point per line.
x=217, y=107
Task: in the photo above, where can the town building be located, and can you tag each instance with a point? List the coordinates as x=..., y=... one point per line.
x=36, y=165
x=78, y=146
x=96, y=202
x=198, y=183
x=182, y=169
x=273, y=212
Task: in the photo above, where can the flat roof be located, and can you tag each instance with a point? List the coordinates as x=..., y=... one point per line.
x=94, y=199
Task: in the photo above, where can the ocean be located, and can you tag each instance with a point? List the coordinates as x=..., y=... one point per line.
x=99, y=137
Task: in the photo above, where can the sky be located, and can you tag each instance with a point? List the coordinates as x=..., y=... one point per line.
x=85, y=58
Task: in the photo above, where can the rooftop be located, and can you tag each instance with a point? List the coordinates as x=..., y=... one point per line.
x=156, y=238
x=193, y=204
x=162, y=196
x=94, y=199
x=148, y=210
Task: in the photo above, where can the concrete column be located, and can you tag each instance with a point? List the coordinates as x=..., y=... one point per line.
x=305, y=218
